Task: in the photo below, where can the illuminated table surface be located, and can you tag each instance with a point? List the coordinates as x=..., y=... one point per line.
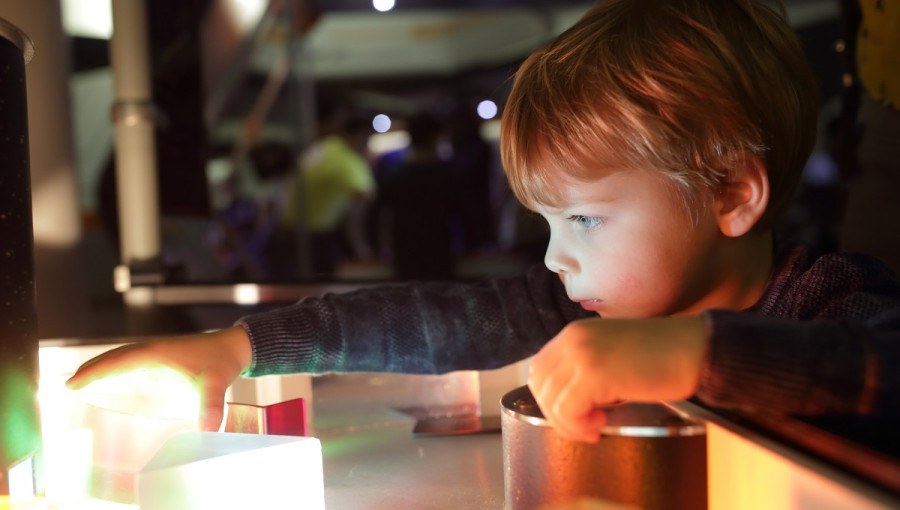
x=388, y=468
x=372, y=459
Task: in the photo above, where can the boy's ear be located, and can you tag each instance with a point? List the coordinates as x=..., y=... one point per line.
x=743, y=200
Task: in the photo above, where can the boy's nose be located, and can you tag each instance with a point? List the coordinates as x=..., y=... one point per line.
x=557, y=260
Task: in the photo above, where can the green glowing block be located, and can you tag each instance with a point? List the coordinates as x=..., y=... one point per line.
x=196, y=470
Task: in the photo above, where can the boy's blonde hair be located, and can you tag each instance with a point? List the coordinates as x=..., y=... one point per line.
x=691, y=88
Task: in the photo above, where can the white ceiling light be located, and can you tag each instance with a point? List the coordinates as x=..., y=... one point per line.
x=383, y=5
x=381, y=123
x=487, y=109
x=87, y=18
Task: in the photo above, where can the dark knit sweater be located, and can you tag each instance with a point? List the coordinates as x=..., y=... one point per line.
x=824, y=337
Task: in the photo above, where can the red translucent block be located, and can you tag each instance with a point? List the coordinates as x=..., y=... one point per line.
x=286, y=418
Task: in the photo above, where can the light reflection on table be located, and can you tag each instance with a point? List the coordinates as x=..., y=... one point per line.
x=371, y=458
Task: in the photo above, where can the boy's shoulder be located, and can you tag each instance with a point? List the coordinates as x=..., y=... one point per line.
x=842, y=268
x=806, y=284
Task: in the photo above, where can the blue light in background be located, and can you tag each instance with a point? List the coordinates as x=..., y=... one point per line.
x=487, y=109
x=381, y=123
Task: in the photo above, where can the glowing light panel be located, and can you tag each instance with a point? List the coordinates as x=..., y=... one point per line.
x=246, y=294
x=216, y=470
x=159, y=392
x=87, y=18
x=21, y=480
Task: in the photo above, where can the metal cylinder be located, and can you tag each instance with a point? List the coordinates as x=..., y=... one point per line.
x=20, y=432
x=649, y=457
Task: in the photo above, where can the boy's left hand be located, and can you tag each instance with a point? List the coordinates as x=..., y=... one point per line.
x=595, y=362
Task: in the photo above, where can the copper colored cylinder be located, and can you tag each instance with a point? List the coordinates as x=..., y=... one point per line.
x=20, y=432
x=649, y=457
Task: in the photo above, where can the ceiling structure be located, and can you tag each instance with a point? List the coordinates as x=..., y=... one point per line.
x=419, y=37
x=416, y=41
x=392, y=62
x=419, y=53
x=352, y=44
x=422, y=45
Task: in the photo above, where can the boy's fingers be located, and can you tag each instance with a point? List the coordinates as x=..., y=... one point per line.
x=552, y=391
x=574, y=414
x=591, y=423
x=111, y=362
x=211, y=417
x=545, y=386
x=212, y=400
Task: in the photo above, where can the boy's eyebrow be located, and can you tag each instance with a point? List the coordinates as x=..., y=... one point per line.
x=603, y=196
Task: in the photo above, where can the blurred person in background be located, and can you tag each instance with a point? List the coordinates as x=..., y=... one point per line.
x=419, y=198
x=472, y=166
x=328, y=196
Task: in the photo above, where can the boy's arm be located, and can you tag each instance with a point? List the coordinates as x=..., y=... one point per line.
x=414, y=328
x=802, y=367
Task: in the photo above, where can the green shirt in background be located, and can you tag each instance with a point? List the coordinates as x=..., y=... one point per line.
x=333, y=174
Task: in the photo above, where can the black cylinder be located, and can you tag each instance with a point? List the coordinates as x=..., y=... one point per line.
x=20, y=431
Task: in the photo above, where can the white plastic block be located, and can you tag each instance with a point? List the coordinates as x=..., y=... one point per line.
x=217, y=470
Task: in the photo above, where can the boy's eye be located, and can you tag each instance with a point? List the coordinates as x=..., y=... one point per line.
x=587, y=222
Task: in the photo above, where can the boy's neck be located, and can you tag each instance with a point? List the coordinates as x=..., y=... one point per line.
x=744, y=267
x=754, y=255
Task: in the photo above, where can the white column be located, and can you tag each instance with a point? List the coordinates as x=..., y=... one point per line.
x=135, y=141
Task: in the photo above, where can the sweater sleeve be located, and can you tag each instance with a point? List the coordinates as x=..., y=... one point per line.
x=413, y=328
x=825, y=339
x=802, y=367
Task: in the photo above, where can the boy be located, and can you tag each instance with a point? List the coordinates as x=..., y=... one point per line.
x=660, y=139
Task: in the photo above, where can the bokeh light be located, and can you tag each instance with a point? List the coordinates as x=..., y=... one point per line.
x=487, y=109
x=381, y=123
x=383, y=5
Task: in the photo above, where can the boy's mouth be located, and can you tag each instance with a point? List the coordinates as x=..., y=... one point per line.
x=590, y=304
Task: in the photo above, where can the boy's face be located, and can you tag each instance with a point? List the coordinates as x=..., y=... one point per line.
x=626, y=247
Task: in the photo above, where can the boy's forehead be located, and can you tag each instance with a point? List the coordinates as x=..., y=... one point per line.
x=602, y=186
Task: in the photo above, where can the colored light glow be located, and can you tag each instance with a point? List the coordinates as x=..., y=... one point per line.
x=383, y=5
x=20, y=433
x=158, y=392
x=20, y=425
x=68, y=438
x=381, y=123
x=487, y=109
x=744, y=475
x=350, y=444
x=131, y=416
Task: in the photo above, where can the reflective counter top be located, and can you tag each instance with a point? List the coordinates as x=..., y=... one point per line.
x=373, y=459
x=388, y=468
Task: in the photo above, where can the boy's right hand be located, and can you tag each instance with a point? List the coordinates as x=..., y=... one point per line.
x=210, y=361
